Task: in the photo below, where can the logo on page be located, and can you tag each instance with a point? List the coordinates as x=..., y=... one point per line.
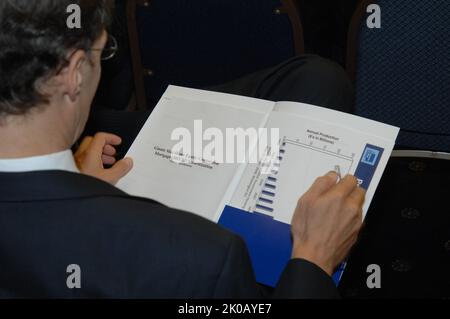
x=370, y=156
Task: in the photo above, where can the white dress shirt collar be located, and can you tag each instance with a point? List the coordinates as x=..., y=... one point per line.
x=62, y=161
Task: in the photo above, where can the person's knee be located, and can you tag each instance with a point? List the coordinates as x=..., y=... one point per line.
x=328, y=83
x=324, y=70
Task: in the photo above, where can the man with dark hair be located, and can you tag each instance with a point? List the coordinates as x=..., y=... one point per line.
x=59, y=212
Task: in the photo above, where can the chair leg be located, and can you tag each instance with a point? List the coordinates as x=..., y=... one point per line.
x=138, y=70
x=291, y=8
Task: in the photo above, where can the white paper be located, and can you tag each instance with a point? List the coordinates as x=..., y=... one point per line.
x=190, y=188
x=206, y=191
x=304, y=159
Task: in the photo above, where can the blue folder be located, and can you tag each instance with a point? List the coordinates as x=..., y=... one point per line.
x=269, y=242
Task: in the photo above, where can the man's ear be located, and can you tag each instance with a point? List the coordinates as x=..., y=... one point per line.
x=73, y=75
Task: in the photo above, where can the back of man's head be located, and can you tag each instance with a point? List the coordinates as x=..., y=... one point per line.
x=34, y=43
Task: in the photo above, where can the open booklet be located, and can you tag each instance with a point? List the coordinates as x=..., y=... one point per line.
x=254, y=197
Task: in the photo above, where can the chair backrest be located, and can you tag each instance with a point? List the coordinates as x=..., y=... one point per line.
x=208, y=42
x=402, y=71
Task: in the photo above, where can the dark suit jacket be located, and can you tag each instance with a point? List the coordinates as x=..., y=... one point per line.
x=126, y=247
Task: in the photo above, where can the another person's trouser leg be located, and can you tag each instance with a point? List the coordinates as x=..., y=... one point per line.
x=308, y=79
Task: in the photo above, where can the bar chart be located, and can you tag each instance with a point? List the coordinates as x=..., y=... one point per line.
x=277, y=197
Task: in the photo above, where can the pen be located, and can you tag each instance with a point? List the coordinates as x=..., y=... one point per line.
x=337, y=169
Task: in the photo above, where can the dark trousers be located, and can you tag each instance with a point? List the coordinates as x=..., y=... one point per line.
x=307, y=78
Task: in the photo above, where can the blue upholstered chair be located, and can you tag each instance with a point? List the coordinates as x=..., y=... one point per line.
x=402, y=77
x=402, y=71
x=208, y=42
